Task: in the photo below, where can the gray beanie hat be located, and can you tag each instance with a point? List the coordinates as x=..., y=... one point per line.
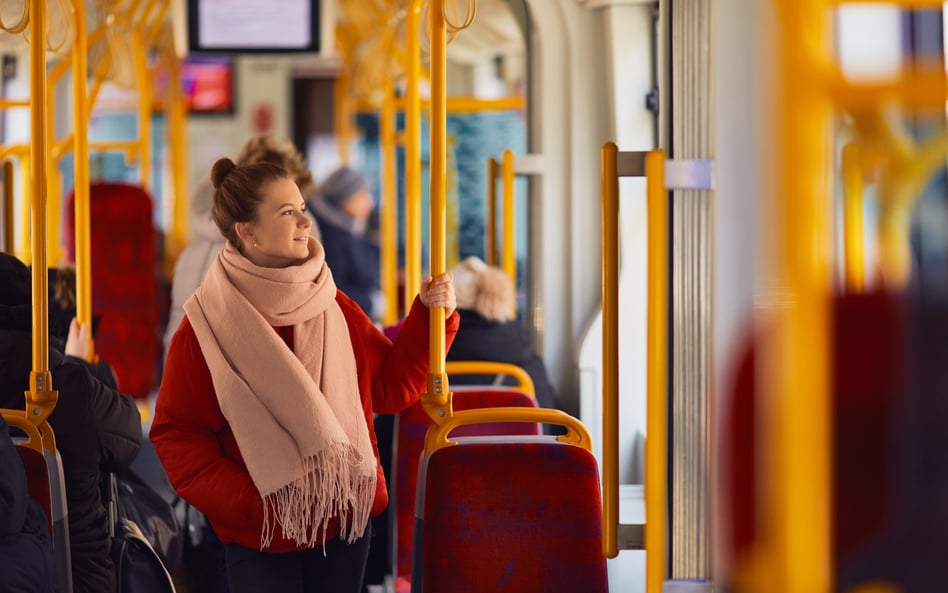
x=342, y=185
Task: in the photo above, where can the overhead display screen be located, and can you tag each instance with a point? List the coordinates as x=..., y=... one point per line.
x=253, y=26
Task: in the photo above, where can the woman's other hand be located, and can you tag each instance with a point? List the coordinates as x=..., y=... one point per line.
x=77, y=342
x=439, y=293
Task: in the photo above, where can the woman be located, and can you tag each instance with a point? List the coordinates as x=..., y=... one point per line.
x=263, y=419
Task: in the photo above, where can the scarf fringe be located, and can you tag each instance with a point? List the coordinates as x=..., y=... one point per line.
x=334, y=485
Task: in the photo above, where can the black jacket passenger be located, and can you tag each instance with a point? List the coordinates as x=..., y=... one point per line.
x=98, y=430
x=26, y=554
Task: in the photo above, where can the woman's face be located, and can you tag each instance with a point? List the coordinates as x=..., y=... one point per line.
x=279, y=237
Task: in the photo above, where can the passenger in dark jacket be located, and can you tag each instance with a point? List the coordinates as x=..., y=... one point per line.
x=343, y=208
x=488, y=330
x=26, y=554
x=97, y=429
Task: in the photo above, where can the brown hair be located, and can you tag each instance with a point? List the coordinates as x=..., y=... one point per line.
x=237, y=193
x=266, y=149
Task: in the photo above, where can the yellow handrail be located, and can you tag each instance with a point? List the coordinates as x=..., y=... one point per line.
x=81, y=219
x=490, y=228
x=145, y=104
x=795, y=450
x=610, y=350
x=437, y=401
x=389, y=208
x=656, y=443
x=412, y=153
x=41, y=397
x=34, y=433
x=577, y=434
x=473, y=104
x=8, y=206
x=853, y=218
x=509, y=247
x=489, y=367
x=178, y=148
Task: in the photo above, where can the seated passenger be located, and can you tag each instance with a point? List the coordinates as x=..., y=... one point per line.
x=206, y=240
x=97, y=429
x=62, y=311
x=26, y=554
x=264, y=416
x=343, y=210
x=488, y=331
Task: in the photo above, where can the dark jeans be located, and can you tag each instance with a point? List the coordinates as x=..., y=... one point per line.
x=340, y=570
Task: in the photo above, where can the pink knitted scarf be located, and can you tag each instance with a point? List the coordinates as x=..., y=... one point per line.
x=296, y=415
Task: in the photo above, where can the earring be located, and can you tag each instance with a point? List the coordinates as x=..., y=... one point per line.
x=254, y=243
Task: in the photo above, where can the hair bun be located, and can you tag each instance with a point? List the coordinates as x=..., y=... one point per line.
x=221, y=169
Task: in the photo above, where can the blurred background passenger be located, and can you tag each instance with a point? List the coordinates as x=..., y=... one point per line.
x=343, y=209
x=489, y=331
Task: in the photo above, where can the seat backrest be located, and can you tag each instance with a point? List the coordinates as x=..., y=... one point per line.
x=125, y=290
x=511, y=516
x=47, y=487
x=410, y=429
x=37, y=481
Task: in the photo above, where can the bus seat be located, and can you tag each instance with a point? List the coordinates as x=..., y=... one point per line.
x=46, y=486
x=37, y=481
x=534, y=525
x=125, y=287
x=410, y=429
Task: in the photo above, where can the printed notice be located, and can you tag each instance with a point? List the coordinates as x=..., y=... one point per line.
x=255, y=23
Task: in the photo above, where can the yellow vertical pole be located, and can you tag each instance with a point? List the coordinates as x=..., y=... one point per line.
x=143, y=80
x=81, y=219
x=656, y=443
x=854, y=246
x=795, y=455
x=25, y=249
x=490, y=249
x=610, y=351
x=8, y=206
x=41, y=398
x=437, y=403
x=509, y=245
x=389, y=208
x=178, y=146
x=412, y=154
x=343, y=115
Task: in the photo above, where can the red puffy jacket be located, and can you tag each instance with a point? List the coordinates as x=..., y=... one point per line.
x=198, y=449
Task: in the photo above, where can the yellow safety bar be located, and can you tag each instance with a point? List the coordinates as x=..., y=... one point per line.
x=412, y=153
x=8, y=206
x=389, y=207
x=82, y=221
x=178, y=147
x=854, y=244
x=38, y=436
x=473, y=104
x=488, y=367
x=41, y=397
x=577, y=434
x=437, y=401
x=510, y=247
x=490, y=247
x=795, y=450
x=656, y=443
x=652, y=165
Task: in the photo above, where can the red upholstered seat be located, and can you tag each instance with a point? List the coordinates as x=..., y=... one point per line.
x=410, y=432
x=513, y=517
x=37, y=480
x=125, y=291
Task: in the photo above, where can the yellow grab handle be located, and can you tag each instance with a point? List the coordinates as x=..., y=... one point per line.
x=577, y=433
x=38, y=436
x=488, y=367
